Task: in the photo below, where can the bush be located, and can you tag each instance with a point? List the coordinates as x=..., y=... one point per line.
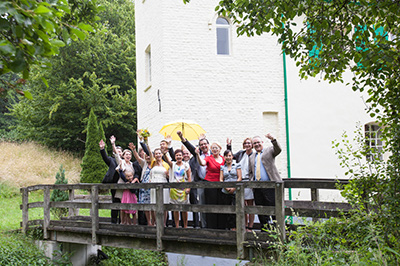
x=16, y=249
x=60, y=195
x=133, y=257
x=93, y=166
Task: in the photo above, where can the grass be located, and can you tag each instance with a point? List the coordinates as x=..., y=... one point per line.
x=26, y=164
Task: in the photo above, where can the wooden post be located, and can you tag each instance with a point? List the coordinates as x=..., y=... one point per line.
x=25, y=213
x=72, y=211
x=240, y=221
x=95, y=213
x=314, y=194
x=280, y=208
x=314, y=198
x=160, y=216
x=46, y=211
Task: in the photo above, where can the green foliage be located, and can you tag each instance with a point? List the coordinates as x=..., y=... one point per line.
x=7, y=191
x=33, y=30
x=98, y=73
x=350, y=240
x=133, y=257
x=15, y=249
x=359, y=36
x=60, y=195
x=93, y=167
x=370, y=186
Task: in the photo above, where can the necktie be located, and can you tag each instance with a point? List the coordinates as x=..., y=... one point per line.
x=258, y=166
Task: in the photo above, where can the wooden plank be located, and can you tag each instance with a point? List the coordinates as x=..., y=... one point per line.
x=265, y=210
x=318, y=205
x=46, y=211
x=72, y=211
x=159, y=216
x=240, y=221
x=280, y=209
x=37, y=204
x=95, y=213
x=25, y=209
x=71, y=204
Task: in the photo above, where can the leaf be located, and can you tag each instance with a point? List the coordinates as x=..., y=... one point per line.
x=45, y=81
x=42, y=10
x=57, y=43
x=79, y=34
x=6, y=48
x=85, y=27
x=28, y=95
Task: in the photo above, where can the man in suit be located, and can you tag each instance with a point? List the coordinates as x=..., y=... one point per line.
x=198, y=174
x=262, y=168
x=111, y=176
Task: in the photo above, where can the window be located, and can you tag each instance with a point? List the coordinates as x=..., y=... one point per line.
x=148, y=65
x=373, y=140
x=223, y=36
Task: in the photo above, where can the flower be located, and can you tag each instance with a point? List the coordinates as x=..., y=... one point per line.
x=145, y=133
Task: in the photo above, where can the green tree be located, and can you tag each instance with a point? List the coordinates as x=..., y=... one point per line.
x=33, y=30
x=93, y=167
x=336, y=36
x=98, y=73
x=60, y=195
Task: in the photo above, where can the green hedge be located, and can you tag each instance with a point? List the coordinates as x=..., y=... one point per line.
x=16, y=249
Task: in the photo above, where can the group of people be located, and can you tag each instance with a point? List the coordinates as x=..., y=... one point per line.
x=203, y=163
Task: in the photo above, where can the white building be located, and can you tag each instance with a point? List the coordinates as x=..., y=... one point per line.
x=237, y=91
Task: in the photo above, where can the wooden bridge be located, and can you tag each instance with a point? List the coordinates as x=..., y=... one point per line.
x=97, y=230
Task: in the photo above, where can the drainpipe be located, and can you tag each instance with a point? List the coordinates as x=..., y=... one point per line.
x=287, y=126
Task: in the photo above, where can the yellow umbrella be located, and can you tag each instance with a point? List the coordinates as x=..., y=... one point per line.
x=190, y=130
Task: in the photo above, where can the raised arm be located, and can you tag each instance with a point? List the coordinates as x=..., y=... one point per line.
x=187, y=144
x=103, y=153
x=137, y=157
x=275, y=144
x=112, y=140
x=201, y=161
x=167, y=159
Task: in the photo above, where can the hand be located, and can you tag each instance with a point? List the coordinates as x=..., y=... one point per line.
x=168, y=138
x=228, y=141
x=269, y=136
x=113, y=139
x=132, y=146
x=230, y=190
x=139, y=135
x=135, y=180
x=197, y=150
x=187, y=191
x=102, y=145
x=202, y=136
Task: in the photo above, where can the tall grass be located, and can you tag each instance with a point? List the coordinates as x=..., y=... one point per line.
x=28, y=163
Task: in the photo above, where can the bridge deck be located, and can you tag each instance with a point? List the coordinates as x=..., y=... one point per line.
x=205, y=242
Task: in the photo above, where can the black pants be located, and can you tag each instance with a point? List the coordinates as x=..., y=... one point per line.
x=264, y=197
x=213, y=197
x=227, y=221
x=193, y=200
x=115, y=213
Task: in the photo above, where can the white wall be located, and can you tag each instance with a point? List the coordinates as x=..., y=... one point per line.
x=226, y=95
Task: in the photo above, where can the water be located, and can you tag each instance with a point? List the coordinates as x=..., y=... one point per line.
x=192, y=260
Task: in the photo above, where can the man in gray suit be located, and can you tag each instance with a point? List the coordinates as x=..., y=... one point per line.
x=262, y=168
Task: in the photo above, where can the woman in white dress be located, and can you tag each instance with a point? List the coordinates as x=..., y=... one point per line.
x=159, y=174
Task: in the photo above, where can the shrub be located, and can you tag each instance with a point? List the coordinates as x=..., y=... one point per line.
x=93, y=166
x=60, y=195
x=16, y=249
x=133, y=257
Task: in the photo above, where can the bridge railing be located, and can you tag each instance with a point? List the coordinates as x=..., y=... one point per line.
x=95, y=203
